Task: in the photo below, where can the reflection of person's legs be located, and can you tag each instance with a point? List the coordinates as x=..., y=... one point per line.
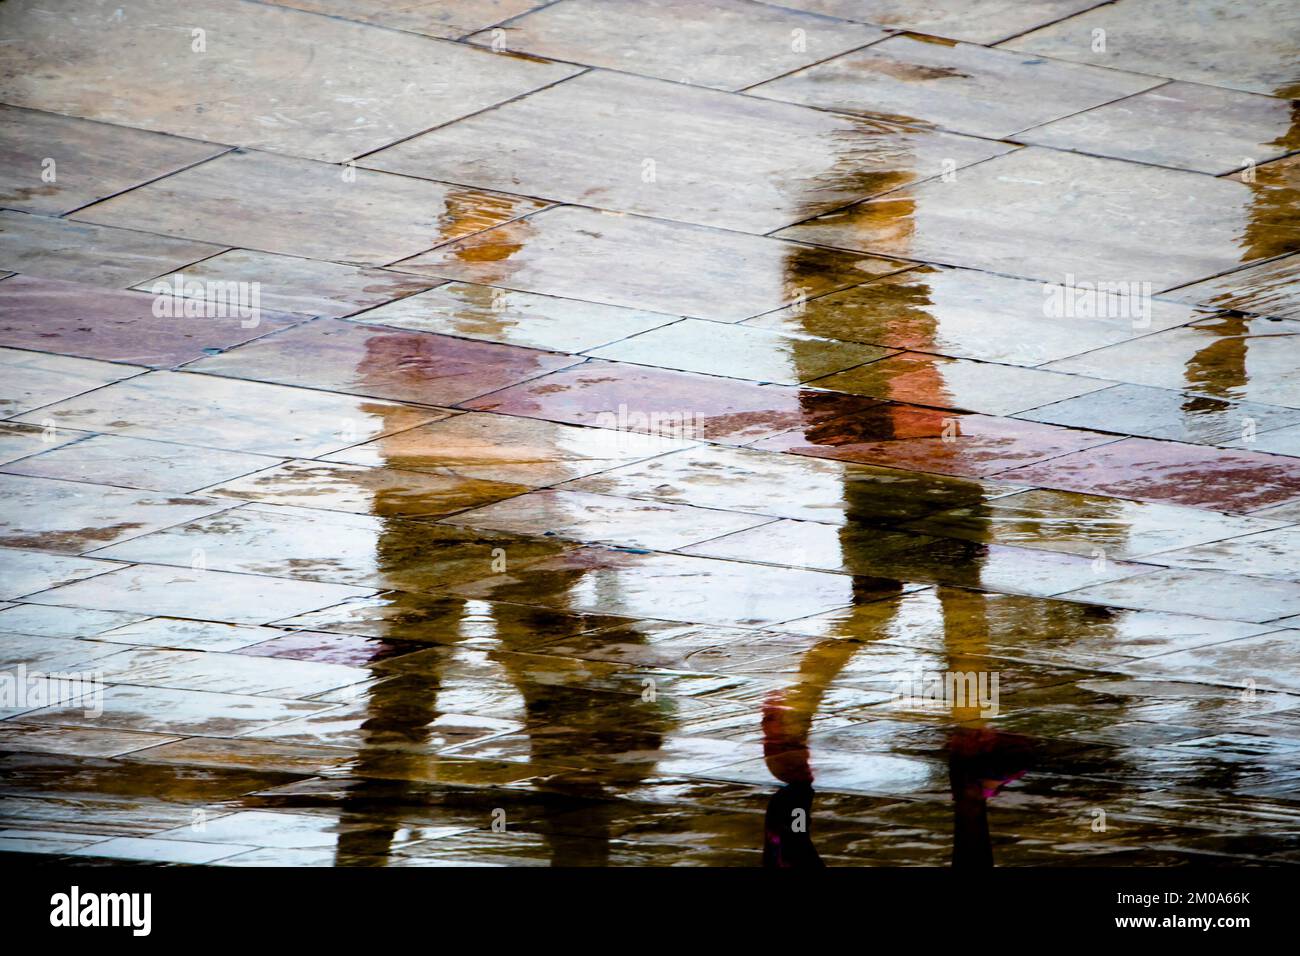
x=380, y=788
x=582, y=741
x=787, y=721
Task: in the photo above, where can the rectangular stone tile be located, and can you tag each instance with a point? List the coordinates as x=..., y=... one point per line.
x=725, y=44
x=19, y=441
x=1270, y=288
x=1230, y=357
x=54, y=164
x=333, y=547
x=226, y=673
x=1272, y=553
x=1230, y=597
x=386, y=363
x=214, y=595
x=44, y=841
x=669, y=404
x=435, y=18
x=1183, y=125
x=583, y=516
x=790, y=486
x=386, y=492
x=297, y=207
x=250, y=755
x=669, y=587
x=84, y=252
x=269, y=77
x=52, y=655
x=444, y=620
x=977, y=21
x=149, y=850
x=954, y=621
x=1162, y=413
x=352, y=650
x=288, y=284
x=545, y=322
x=114, y=815
x=48, y=515
x=619, y=689
x=26, y=572
x=941, y=382
x=1165, y=471
x=1266, y=661
x=45, y=621
x=620, y=260
x=292, y=830
x=33, y=379
x=635, y=145
x=170, y=711
x=85, y=742
x=925, y=439
x=139, y=463
x=189, y=635
x=882, y=774
x=1064, y=217
x=733, y=351
x=867, y=551
x=954, y=86
x=1205, y=41
x=231, y=415
x=521, y=451
x=968, y=314
x=70, y=318
x=1276, y=441
x=1087, y=524
x=357, y=727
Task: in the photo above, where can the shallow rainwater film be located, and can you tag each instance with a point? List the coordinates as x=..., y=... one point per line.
x=650, y=433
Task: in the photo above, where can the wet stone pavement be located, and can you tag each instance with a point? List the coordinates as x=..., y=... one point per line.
x=650, y=432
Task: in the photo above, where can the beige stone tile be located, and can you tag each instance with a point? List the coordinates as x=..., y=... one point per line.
x=969, y=314
x=481, y=312
x=620, y=260
x=734, y=351
x=210, y=595
x=1066, y=218
x=229, y=414
x=978, y=21
x=942, y=382
x=70, y=516
x=385, y=492
x=34, y=379
x=287, y=284
x=635, y=145
x=1183, y=125
x=53, y=164
x=266, y=76
x=725, y=44
x=953, y=86
x=297, y=207
x=582, y=516
x=1217, y=42
x=501, y=448
x=94, y=254
x=140, y=463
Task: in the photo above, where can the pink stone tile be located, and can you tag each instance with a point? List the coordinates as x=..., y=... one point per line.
x=70, y=318
x=350, y=649
x=923, y=439
x=384, y=362
x=633, y=398
x=1167, y=471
